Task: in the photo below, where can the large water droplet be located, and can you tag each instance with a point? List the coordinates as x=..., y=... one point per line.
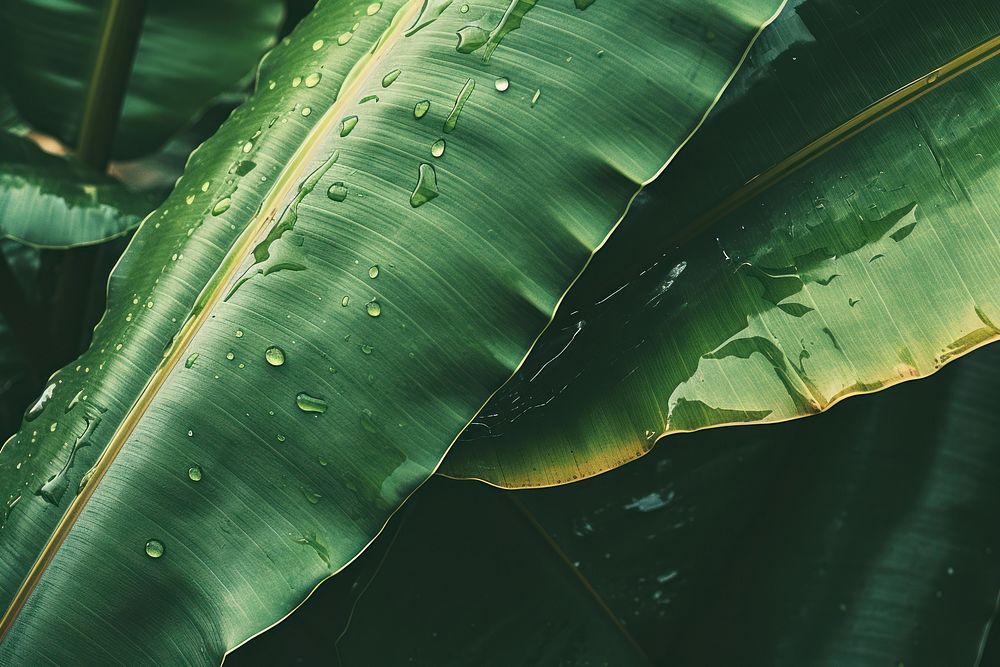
x=373, y=8
x=222, y=206
x=502, y=84
x=437, y=148
x=389, y=78
x=344, y=38
x=317, y=45
x=274, y=355
x=427, y=186
x=247, y=147
x=420, y=108
x=346, y=300
x=309, y=403
x=463, y=96
x=337, y=191
x=154, y=548
x=38, y=406
x=194, y=473
x=313, y=79
x=347, y=125
x=373, y=308
x=373, y=272
x=189, y=362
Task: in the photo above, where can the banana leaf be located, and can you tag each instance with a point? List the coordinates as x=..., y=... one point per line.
x=189, y=53
x=862, y=536
x=52, y=202
x=343, y=275
x=831, y=231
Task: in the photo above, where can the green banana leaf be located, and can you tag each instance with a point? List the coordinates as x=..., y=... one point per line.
x=189, y=53
x=722, y=303
x=296, y=336
x=18, y=379
x=860, y=537
x=52, y=202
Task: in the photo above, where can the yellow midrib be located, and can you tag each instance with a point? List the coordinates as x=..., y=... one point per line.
x=258, y=228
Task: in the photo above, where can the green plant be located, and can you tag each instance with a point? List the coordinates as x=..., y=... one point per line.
x=376, y=240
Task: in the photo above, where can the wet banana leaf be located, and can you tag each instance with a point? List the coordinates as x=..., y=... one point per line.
x=861, y=251
x=346, y=271
x=189, y=53
x=860, y=537
x=52, y=202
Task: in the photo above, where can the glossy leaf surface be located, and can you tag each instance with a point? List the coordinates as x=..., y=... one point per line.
x=296, y=336
x=875, y=263
x=189, y=53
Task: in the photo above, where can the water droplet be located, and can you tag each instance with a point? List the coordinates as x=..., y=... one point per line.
x=189, y=362
x=154, y=548
x=337, y=191
x=274, y=355
x=534, y=98
x=437, y=148
x=373, y=8
x=317, y=45
x=502, y=84
x=296, y=81
x=347, y=125
x=313, y=79
x=222, y=206
x=420, y=108
x=190, y=434
x=239, y=333
x=230, y=355
x=247, y=147
x=309, y=403
x=368, y=98
x=280, y=438
x=373, y=272
x=306, y=111
x=271, y=85
x=189, y=199
x=389, y=78
x=456, y=111
x=205, y=185
x=38, y=406
x=933, y=76
x=344, y=38
x=346, y=300
x=426, y=188
x=464, y=9
x=429, y=13
x=373, y=308
x=312, y=497
x=368, y=421
x=367, y=349
x=194, y=473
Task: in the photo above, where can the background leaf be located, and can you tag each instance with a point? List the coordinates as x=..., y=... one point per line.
x=189, y=53
x=874, y=264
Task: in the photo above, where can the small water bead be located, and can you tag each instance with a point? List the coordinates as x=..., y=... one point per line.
x=309, y=403
x=373, y=272
x=344, y=38
x=368, y=421
x=239, y=333
x=437, y=148
x=420, y=108
x=189, y=200
x=306, y=111
x=368, y=98
x=317, y=45
x=347, y=125
x=194, y=473
x=247, y=147
x=271, y=85
x=373, y=308
x=154, y=548
x=373, y=8
x=296, y=82
x=205, y=186
x=534, y=98
x=280, y=438
x=230, y=355
x=464, y=9
x=222, y=206
x=313, y=79
x=501, y=84
x=346, y=300
x=367, y=349
x=190, y=434
x=274, y=355
x=390, y=78
x=337, y=191
x=189, y=362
